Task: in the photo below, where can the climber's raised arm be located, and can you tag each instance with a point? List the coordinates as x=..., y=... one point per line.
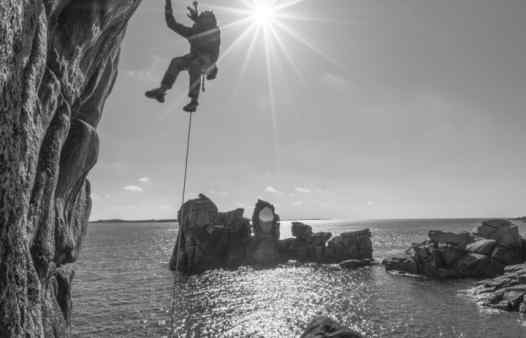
x=172, y=23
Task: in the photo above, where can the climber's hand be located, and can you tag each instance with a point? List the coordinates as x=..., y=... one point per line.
x=192, y=13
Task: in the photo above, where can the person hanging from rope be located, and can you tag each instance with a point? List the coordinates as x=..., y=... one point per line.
x=205, y=39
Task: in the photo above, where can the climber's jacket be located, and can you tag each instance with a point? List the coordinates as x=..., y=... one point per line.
x=204, y=35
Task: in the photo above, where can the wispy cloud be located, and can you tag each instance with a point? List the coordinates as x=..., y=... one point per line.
x=144, y=179
x=272, y=190
x=334, y=81
x=133, y=188
x=297, y=203
x=303, y=190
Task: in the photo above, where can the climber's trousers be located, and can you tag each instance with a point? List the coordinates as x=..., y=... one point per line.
x=195, y=65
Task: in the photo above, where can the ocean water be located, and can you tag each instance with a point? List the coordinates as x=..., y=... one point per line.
x=123, y=288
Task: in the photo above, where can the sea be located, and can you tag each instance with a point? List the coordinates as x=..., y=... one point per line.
x=123, y=288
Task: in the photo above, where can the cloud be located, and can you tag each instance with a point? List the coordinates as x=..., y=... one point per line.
x=133, y=188
x=144, y=179
x=303, y=190
x=297, y=203
x=370, y=203
x=272, y=190
x=334, y=81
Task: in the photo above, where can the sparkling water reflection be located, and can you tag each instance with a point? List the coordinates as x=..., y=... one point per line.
x=122, y=289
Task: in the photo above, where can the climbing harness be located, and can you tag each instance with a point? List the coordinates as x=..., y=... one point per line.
x=179, y=235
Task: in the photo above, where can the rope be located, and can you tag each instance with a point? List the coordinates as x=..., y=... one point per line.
x=178, y=244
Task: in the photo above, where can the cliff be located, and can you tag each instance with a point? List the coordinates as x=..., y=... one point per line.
x=58, y=64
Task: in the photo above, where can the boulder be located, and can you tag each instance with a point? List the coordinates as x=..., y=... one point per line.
x=507, y=255
x=476, y=265
x=458, y=239
x=482, y=246
x=301, y=231
x=503, y=231
x=350, y=245
x=450, y=254
x=324, y=327
x=403, y=263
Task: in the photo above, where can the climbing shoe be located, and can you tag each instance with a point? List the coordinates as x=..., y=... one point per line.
x=156, y=94
x=212, y=73
x=191, y=107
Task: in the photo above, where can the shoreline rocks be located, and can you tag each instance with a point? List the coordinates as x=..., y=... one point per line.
x=482, y=253
x=325, y=327
x=211, y=239
x=506, y=292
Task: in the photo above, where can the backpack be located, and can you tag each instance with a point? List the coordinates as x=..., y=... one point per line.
x=207, y=39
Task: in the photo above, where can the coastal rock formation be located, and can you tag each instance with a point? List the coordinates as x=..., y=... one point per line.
x=210, y=239
x=482, y=253
x=264, y=246
x=324, y=327
x=58, y=64
x=506, y=292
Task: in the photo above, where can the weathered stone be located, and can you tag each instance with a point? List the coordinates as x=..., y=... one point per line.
x=506, y=292
x=264, y=249
x=482, y=246
x=502, y=231
x=450, y=254
x=507, y=255
x=459, y=239
x=404, y=263
x=301, y=231
x=58, y=65
x=350, y=245
x=324, y=327
x=476, y=265
x=208, y=239
x=265, y=221
x=320, y=238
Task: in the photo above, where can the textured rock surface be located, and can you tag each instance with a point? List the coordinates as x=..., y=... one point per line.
x=506, y=292
x=210, y=239
x=483, y=253
x=324, y=327
x=58, y=63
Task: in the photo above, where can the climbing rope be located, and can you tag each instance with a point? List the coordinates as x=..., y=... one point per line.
x=181, y=217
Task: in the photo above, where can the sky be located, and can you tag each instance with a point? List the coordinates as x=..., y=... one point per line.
x=354, y=109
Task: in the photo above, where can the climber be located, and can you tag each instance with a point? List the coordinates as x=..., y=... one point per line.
x=204, y=38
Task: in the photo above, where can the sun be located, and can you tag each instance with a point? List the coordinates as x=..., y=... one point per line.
x=263, y=14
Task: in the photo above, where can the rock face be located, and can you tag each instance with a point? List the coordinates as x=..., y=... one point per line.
x=324, y=327
x=58, y=63
x=506, y=292
x=210, y=239
x=482, y=253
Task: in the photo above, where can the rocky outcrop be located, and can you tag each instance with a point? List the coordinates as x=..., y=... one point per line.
x=58, y=64
x=210, y=239
x=479, y=254
x=506, y=292
x=324, y=327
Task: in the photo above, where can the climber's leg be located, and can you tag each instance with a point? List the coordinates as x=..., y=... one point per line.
x=176, y=66
x=195, y=71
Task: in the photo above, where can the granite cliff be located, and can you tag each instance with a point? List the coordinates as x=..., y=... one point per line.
x=58, y=64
